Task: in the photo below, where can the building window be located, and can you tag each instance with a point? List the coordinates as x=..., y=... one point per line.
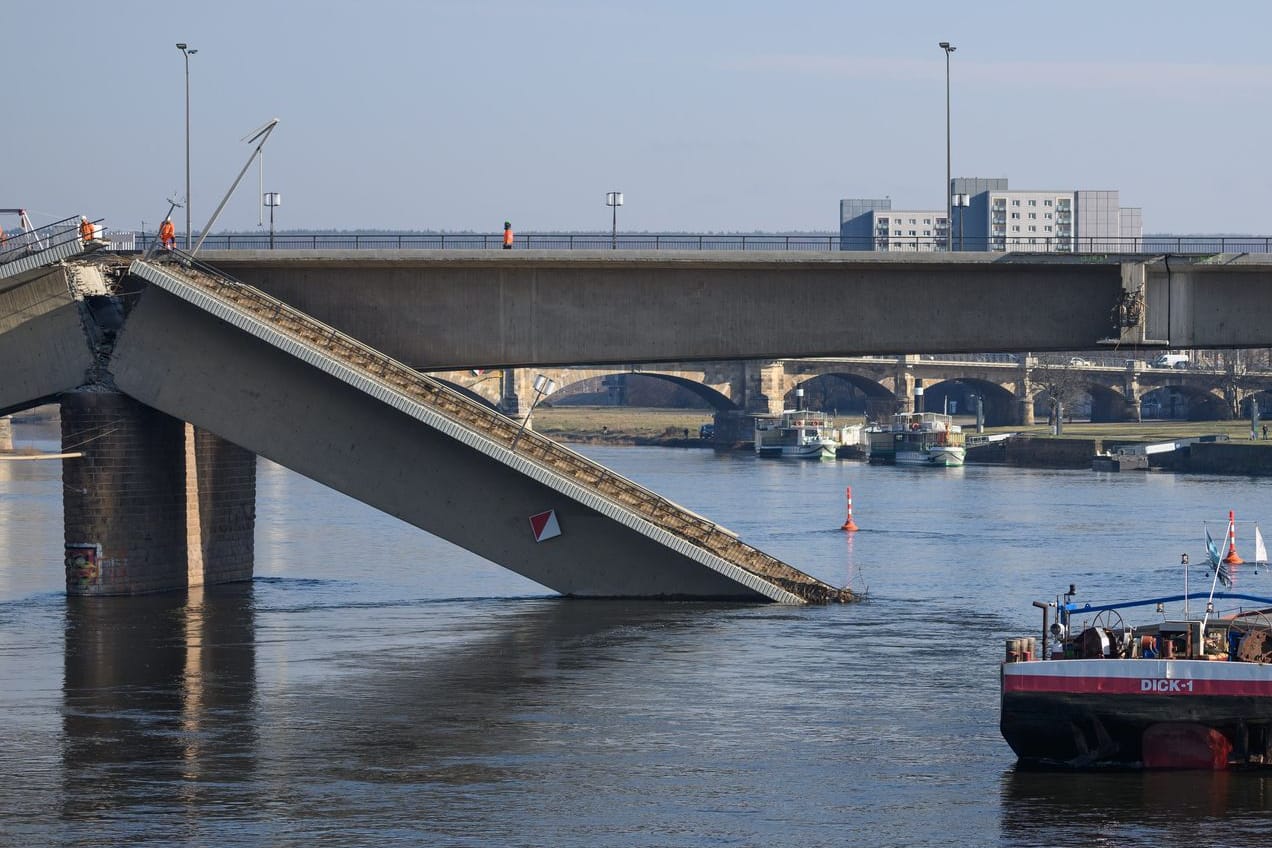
x=1033, y=229
x=896, y=232
x=927, y=232
x=1046, y=215
x=1047, y=228
x=1015, y=228
x=1015, y=216
x=927, y=221
x=1015, y=203
x=913, y=233
x=1033, y=215
x=1033, y=203
x=1046, y=203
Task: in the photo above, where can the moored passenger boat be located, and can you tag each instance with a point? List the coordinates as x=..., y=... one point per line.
x=800, y=433
x=919, y=438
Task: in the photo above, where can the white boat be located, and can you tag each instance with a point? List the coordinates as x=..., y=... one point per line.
x=919, y=438
x=804, y=433
x=798, y=434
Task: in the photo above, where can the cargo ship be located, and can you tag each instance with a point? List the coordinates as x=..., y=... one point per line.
x=1182, y=691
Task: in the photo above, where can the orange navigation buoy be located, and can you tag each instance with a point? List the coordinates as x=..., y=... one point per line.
x=1232, y=558
x=849, y=525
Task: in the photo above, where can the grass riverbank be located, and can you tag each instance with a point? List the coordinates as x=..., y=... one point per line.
x=622, y=425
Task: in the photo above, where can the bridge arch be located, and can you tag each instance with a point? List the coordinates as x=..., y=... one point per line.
x=1181, y=400
x=998, y=402
x=844, y=393
x=596, y=383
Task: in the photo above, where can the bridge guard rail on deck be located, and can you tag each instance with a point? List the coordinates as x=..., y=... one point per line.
x=478, y=426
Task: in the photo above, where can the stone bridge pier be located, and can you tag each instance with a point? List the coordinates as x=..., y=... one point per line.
x=154, y=504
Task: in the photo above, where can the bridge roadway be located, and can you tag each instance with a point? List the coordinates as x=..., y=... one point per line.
x=436, y=310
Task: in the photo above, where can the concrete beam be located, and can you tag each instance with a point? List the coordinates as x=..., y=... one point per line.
x=175, y=357
x=43, y=347
x=1221, y=302
x=439, y=310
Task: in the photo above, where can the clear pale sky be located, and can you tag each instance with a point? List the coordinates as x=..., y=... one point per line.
x=720, y=116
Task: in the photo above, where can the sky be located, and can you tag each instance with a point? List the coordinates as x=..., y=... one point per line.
x=457, y=115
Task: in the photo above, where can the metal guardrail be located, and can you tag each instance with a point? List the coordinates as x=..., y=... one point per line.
x=1151, y=245
x=501, y=429
x=15, y=245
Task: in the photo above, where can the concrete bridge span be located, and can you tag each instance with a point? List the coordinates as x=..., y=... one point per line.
x=271, y=381
x=438, y=310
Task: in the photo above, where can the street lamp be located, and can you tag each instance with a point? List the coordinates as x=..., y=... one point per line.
x=272, y=199
x=962, y=201
x=614, y=199
x=542, y=386
x=187, y=51
x=949, y=206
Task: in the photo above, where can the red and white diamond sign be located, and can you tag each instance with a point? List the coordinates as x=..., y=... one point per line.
x=545, y=526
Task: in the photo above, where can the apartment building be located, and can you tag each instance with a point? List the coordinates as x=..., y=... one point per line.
x=988, y=215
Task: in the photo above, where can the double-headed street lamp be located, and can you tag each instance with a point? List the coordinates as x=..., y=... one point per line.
x=187, y=51
x=949, y=211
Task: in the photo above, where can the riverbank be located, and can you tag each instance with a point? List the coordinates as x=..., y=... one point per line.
x=641, y=425
x=1233, y=453
x=623, y=425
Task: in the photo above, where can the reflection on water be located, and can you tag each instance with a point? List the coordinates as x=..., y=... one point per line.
x=1135, y=808
x=158, y=700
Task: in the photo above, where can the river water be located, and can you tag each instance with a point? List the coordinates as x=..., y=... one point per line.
x=375, y=686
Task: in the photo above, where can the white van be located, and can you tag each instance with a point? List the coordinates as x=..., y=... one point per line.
x=1170, y=360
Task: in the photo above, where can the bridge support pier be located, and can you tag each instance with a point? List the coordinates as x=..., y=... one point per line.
x=6, y=433
x=153, y=504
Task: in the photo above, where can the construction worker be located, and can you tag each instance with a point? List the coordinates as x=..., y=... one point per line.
x=507, y=235
x=167, y=234
x=86, y=230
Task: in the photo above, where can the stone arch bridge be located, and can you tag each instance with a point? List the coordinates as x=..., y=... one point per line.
x=1006, y=383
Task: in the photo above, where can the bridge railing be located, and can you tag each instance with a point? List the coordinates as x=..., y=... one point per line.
x=1203, y=245
x=14, y=245
x=499, y=428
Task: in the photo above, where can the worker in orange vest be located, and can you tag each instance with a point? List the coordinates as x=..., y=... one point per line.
x=507, y=235
x=167, y=234
x=86, y=229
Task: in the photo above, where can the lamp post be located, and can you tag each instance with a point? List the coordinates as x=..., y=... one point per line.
x=187, y=51
x=949, y=206
x=962, y=201
x=272, y=199
x=542, y=386
x=614, y=199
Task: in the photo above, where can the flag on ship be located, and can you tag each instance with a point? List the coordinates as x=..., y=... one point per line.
x=1216, y=560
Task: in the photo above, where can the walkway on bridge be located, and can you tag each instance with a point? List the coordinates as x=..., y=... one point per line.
x=208, y=349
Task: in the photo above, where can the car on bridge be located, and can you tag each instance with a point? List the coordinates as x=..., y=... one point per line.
x=1170, y=360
